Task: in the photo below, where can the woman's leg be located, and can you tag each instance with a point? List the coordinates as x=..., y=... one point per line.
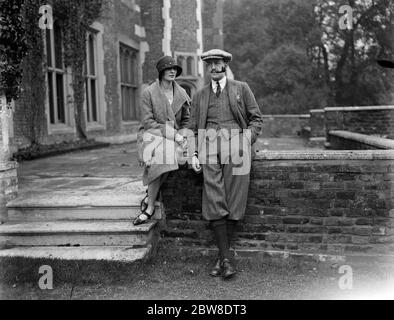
x=153, y=192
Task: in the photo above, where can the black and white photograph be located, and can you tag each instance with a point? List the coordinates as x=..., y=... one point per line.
x=209, y=152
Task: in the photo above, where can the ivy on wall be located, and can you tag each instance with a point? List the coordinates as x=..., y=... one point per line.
x=32, y=102
x=21, y=36
x=12, y=47
x=76, y=16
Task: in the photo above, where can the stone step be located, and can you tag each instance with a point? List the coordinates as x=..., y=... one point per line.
x=77, y=233
x=56, y=213
x=55, y=205
x=111, y=253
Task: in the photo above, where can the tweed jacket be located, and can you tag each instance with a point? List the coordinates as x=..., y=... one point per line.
x=242, y=103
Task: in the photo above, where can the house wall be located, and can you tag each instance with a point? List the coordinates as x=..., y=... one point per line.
x=154, y=28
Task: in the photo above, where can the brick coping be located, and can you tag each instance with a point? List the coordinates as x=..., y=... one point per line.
x=10, y=165
x=363, y=138
x=366, y=108
x=286, y=116
x=326, y=155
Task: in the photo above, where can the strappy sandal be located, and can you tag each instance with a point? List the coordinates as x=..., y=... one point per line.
x=144, y=205
x=137, y=221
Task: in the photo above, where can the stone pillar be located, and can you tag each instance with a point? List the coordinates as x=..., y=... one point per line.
x=318, y=132
x=8, y=169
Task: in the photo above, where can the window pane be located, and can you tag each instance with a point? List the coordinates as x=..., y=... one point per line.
x=190, y=66
x=93, y=99
x=122, y=67
x=133, y=113
x=87, y=100
x=48, y=47
x=58, y=46
x=134, y=70
x=128, y=65
x=92, y=70
x=180, y=60
x=50, y=97
x=124, y=104
x=60, y=99
x=129, y=70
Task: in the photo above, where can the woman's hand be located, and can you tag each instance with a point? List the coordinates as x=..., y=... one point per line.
x=181, y=140
x=178, y=138
x=196, y=164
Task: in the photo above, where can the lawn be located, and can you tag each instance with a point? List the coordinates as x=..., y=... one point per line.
x=175, y=277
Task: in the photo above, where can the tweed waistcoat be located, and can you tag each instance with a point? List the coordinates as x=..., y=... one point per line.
x=219, y=112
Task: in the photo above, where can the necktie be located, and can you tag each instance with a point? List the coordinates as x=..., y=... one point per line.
x=218, y=89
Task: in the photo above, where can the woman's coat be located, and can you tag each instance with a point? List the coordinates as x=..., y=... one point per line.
x=160, y=122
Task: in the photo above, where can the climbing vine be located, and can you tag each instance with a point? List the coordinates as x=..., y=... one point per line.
x=12, y=47
x=22, y=55
x=76, y=16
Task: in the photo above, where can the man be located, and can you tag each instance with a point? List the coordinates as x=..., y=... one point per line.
x=228, y=108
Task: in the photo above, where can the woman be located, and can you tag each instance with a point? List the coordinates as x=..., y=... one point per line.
x=165, y=112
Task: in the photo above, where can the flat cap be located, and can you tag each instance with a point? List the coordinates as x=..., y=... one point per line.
x=217, y=54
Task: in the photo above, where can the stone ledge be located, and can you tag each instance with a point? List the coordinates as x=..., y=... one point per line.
x=121, y=139
x=110, y=253
x=358, y=258
x=286, y=116
x=11, y=165
x=326, y=155
x=378, y=142
x=366, y=108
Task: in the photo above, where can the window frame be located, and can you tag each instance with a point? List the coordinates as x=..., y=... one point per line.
x=134, y=85
x=88, y=79
x=54, y=70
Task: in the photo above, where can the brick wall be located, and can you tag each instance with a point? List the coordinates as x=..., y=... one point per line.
x=8, y=186
x=212, y=21
x=284, y=125
x=152, y=20
x=366, y=120
x=119, y=21
x=327, y=202
x=184, y=25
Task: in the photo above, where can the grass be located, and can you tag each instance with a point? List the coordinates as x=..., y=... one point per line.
x=182, y=277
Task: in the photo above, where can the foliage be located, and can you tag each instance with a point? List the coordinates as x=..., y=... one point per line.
x=20, y=34
x=295, y=57
x=76, y=17
x=32, y=100
x=12, y=47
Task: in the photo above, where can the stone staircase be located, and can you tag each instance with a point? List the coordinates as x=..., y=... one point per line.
x=66, y=229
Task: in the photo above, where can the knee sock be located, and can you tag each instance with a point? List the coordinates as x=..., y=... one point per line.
x=220, y=232
x=231, y=227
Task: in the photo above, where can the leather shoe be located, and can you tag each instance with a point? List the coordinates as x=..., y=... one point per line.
x=228, y=270
x=217, y=269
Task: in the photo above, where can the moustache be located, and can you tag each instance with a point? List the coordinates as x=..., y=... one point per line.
x=219, y=71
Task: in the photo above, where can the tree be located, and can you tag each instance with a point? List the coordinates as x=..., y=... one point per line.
x=295, y=57
x=349, y=55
